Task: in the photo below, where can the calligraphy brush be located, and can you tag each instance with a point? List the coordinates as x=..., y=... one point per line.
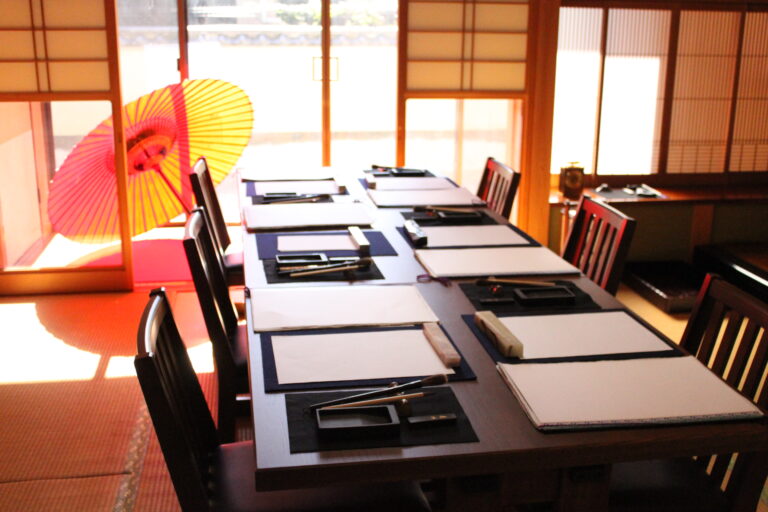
x=432, y=380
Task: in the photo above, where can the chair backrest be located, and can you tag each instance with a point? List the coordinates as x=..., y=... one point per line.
x=176, y=404
x=728, y=332
x=599, y=241
x=205, y=196
x=208, y=275
x=218, y=312
x=498, y=186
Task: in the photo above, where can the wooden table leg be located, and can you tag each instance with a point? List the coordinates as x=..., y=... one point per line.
x=584, y=488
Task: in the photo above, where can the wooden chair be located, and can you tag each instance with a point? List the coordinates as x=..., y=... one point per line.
x=228, y=338
x=208, y=475
x=498, y=186
x=598, y=242
x=728, y=332
x=205, y=196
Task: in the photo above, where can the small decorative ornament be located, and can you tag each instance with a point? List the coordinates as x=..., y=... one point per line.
x=572, y=180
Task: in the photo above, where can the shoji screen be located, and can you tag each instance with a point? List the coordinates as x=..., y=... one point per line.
x=53, y=46
x=701, y=108
x=465, y=45
x=749, y=150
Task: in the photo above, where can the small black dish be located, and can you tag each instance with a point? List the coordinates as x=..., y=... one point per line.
x=544, y=296
x=373, y=420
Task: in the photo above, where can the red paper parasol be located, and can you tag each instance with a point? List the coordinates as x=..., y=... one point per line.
x=166, y=131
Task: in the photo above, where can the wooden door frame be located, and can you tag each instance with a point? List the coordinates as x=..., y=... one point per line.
x=118, y=277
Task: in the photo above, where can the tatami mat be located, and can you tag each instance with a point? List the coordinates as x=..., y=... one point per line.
x=75, y=434
x=97, y=493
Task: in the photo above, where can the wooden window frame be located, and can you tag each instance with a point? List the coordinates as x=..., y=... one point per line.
x=661, y=177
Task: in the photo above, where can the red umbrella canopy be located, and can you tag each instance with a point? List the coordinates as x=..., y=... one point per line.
x=166, y=131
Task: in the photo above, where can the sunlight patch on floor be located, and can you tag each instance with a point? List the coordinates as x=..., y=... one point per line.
x=32, y=354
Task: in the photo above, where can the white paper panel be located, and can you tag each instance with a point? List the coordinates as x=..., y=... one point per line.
x=500, y=46
x=15, y=14
x=16, y=45
x=427, y=183
x=422, y=45
x=434, y=75
x=510, y=261
x=355, y=356
x=312, y=243
x=37, y=13
x=499, y=76
x=282, y=309
x=279, y=216
x=42, y=76
x=297, y=186
x=40, y=44
x=456, y=196
x=434, y=16
x=77, y=44
x=630, y=392
x=17, y=77
x=79, y=76
x=582, y=334
x=74, y=13
x=501, y=17
x=469, y=236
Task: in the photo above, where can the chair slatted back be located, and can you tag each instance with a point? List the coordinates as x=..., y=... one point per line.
x=176, y=404
x=205, y=196
x=598, y=242
x=728, y=332
x=218, y=312
x=498, y=186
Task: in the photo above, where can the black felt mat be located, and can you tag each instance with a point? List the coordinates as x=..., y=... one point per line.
x=372, y=272
x=475, y=293
x=304, y=434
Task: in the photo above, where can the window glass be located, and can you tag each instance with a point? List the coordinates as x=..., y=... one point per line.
x=576, y=88
x=56, y=210
x=633, y=91
x=455, y=137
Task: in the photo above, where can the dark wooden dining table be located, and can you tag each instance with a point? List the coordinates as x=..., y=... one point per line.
x=512, y=462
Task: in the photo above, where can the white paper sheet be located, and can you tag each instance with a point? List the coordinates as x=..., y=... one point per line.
x=279, y=216
x=312, y=243
x=494, y=261
x=281, y=309
x=457, y=196
x=628, y=392
x=582, y=334
x=354, y=356
x=299, y=187
x=468, y=236
x=250, y=173
x=426, y=183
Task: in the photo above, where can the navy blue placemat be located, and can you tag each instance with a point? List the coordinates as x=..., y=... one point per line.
x=271, y=384
x=531, y=241
x=370, y=273
x=304, y=435
x=266, y=244
x=436, y=221
x=489, y=347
